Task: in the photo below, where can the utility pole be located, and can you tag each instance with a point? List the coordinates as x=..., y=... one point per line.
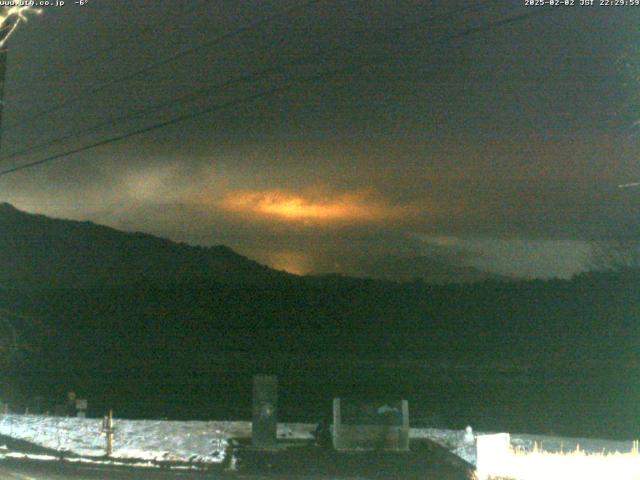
x=5, y=31
x=10, y=18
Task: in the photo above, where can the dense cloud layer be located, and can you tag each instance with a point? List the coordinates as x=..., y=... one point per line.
x=501, y=150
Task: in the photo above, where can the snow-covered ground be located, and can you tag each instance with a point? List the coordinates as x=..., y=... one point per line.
x=454, y=441
x=206, y=442
x=201, y=442
x=149, y=440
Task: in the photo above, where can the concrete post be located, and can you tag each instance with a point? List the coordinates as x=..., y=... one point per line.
x=403, y=437
x=337, y=422
x=265, y=404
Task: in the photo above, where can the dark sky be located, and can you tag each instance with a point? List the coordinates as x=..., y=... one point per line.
x=500, y=149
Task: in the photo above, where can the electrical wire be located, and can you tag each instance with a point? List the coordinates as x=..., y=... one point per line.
x=265, y=93
x=255, y=75
x=125, y=39
x=161, y=62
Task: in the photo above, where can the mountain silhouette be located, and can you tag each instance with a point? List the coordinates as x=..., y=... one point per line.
x=37, y=251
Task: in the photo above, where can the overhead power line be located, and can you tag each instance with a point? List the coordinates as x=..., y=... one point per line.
x=267, y=93
x=161, y=62
x=127, y=38
x=203, y=91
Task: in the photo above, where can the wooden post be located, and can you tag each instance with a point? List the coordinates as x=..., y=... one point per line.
x=108, y=429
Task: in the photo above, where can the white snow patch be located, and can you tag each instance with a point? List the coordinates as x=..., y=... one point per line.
x=199, y=442
x=296, y=431
x=31, y=456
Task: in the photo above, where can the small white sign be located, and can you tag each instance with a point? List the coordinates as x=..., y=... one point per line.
x=492, y=452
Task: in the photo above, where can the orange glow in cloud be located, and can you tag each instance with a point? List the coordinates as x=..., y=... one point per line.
x=349, y=207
